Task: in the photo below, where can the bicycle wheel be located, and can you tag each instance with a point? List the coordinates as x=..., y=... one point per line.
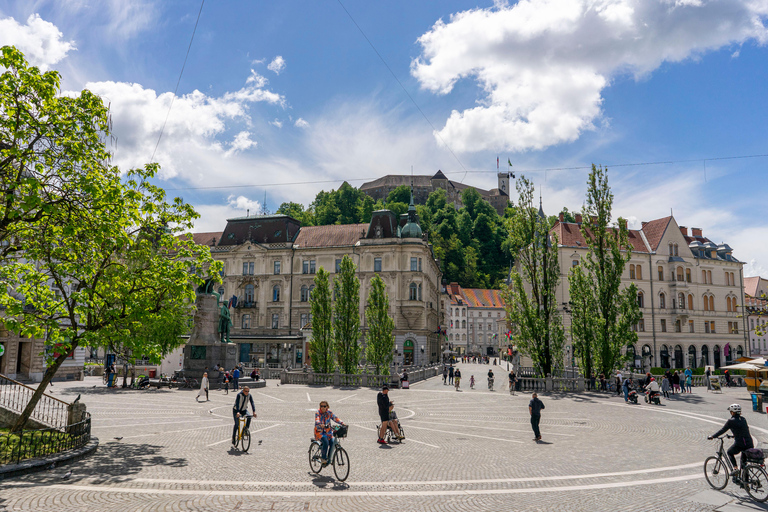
x=341, y=464
x=245, y=441
x=757, y=483
x=716, y=473
x=314, y=458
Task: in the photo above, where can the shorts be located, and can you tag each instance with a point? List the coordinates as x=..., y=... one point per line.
x=384, y=416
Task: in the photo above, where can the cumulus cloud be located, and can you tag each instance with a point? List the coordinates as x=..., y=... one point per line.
x=41, y=41
x=277, y=123
x=243, y=203
x=301, y=123
x=543, y=64
x=194, y=123
x=277, y=65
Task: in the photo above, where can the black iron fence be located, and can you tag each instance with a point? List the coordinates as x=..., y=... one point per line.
x=30, y=444
x=49, y=411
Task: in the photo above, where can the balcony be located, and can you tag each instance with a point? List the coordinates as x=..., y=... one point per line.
x=242, y=304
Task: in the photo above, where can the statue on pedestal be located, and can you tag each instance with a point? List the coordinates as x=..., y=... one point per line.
x=225, y=322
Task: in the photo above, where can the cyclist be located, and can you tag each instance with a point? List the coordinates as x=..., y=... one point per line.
x=457, y=378
x=385, y=407
x=323, y=430
x=241, y=409
x=742, y=439
x=490, y=379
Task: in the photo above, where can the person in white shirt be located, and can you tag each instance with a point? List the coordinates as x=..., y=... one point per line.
x=203, y=388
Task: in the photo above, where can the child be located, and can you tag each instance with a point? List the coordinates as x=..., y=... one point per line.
x=472, y=382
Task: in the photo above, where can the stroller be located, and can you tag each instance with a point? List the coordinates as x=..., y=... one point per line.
x=390, y=435
x=141, y=382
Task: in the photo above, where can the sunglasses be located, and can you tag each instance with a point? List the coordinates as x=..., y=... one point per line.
x=323, y=406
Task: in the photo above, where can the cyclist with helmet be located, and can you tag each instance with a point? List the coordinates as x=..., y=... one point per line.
x=742, y=439
x=324, y=430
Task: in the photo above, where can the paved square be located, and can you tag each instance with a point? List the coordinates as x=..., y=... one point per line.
x=465, y=450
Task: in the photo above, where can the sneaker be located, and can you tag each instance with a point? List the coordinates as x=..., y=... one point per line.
x=381, y=441
x=324, y=462
x=400, y=438
x=234, y=446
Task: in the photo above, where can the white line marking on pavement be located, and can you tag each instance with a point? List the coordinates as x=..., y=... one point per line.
x=230, y=439
x=342, y=399
x=272, y=397
x=308, y=399
x=505, y=429
x=408, y=439
x=176, y=431
x=465, y=434
x=97, y=425
x=387, y=493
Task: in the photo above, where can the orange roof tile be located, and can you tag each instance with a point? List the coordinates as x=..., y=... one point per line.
x=569, y=235
x=330, y=236
x=210, y=238
x=654, y=231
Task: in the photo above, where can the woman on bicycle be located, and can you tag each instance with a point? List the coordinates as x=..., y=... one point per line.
x=323, y=430
x=742, y=439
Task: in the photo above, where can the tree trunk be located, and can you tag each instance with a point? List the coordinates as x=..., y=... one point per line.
x=39, y=392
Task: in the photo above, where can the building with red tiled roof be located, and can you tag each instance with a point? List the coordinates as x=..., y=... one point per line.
x=757, y=324
x=689, y=291
x=475, y=320
x=270, y=262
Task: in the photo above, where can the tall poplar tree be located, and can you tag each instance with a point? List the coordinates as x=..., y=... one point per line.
x=346, y=317
x=606, y=313
x=531, y=300
x=380, y=344
x=321, y=346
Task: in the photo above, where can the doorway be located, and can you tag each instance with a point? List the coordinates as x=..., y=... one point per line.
x=408, y=353
x=23, y=359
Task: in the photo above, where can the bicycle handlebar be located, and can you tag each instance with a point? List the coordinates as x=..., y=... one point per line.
x=728, y=436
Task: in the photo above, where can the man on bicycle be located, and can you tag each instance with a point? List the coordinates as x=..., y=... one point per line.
x=385, y=406
x=742, y=439
x=323, y=430
x=241, y=409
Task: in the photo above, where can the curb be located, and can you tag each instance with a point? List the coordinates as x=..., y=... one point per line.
x=35, y=465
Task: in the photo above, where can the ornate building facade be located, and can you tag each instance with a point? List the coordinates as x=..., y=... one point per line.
x=475, y=320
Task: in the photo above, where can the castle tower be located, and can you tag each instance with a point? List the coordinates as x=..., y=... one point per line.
x=503, y=182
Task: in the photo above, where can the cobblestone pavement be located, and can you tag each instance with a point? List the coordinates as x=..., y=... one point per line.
x=465, y=450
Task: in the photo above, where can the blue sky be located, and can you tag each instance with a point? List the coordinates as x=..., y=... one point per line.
x=291, y=92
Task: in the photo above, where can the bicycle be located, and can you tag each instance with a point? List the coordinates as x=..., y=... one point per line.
x=243, y=434
x=490, y=384
x=336, y=455
x=752, y=476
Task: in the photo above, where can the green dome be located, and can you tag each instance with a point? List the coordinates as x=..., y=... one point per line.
x=410, y=230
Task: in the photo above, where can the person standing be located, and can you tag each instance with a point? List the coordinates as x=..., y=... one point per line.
x=450, y=375
x=385, y=407
x=512, y=381
x=535, y=406
x=445, y=375
x=675, y=383
x=665, y=385
x=688, y=382
x=236, y=378
x=707, y=375
x=203, y=388
x=619, y=381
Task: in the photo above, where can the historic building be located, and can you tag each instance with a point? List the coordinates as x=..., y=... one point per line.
x=423, y=185
x=690, y=292
x=756, y=302
x=475, y=320
x=269, y=268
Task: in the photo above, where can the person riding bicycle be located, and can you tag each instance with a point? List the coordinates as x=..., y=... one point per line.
x=385, y=408
x=742, y=439
x=324, y=430
x=241, y=409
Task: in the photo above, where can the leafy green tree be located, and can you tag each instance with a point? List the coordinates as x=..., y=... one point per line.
x=401, y=194
x=346, y=316
x=381, y=342
x=321, y=346
x=348, y=201
x=297, y=211
x=365, y=208
x=531, y=300
x=613, y=310
x=583, y=307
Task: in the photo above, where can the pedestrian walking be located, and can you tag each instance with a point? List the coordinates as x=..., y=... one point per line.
x=675, y=383
x=688, y=382
x=450, y=375
x=535, y=406
x=203, y=388
x=445, y=375
x=707, y=375
x=457, y=378
x=226, y=382
x=665, y=387
x=236, y=378
x=472, y=382
x=512, y=382
x=619, y=380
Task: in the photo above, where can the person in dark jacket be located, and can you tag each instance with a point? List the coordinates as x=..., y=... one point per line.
x=385, y=406
x=742, y=439
x=240, y=408
x=535, y=407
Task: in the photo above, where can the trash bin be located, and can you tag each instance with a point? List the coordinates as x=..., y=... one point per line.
x=111, y=380
x=152, y=373
x=757, y=402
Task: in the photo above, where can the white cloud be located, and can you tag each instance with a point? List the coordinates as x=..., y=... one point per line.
x=301, y=123
x=543, y=64
x=277, y=123
x=194, y=123
x=735, y=54
x=243, y=203
x=41, y=41
x=277, y=64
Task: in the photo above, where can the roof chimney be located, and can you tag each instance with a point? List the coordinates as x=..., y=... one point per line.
x=578, y=218
x=643, y=224
x=696, y=232
x=562, y=217
x=684, y=230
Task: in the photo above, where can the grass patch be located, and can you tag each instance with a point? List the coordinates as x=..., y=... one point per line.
x=31, y=444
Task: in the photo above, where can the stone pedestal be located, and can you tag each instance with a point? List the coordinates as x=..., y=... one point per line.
x=205, y=337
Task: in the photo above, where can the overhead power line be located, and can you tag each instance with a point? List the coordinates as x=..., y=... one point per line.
x=546, y=169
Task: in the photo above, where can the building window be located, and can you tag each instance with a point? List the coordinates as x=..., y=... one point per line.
x=463, y=324
x=304, y=293
x=678, y=327
x=712, y=327
x=640, y=300
x=663, y=325
x=671, y=249
x=248, y=298
x=690, y=302
x=690, y=326
x=305, y=267
x=311, y=266
x=276, y=293
x=639, y=272
x=420, y=292
x=304, y=319
x=377, y=264
x=661, y=273
x=676, y=253
x=275, y=320
x=711, y=302
x=414, y=264
x=221, y=291
x=276, y=270
x=246, y=322
x=680, y=274
x=248, y=268
x=681, y=300
x=413, y=291
x=419, y=264
x=574, y=263
x=662, y=300
x=632, y=272
x=338, y=266
x=688, y=275
x=641, y=325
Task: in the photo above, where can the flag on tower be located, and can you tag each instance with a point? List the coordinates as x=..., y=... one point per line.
x=509, y=162
x=497, y=162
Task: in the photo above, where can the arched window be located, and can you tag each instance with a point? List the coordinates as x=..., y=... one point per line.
x=671, y=249
x=706, y=303
x=640, y=300
x=704, y=276
x=248, y=293
x=711, y=302
x=680, y=274
x=221, y=291
x=463, y=337
x=463, y=324
x=739, y=352
x=639, y=271
x=631, y=354
x=664, y=355
x=676, y=253
x=690, y=301
x=662, y=300
x=276, y=293
x=704, y=355
x=451, y=337
x=304, y=293
x=413, y=292
x=727, y=303
x=681, y=301
x=246, y=322
x=688, y=275
x=463, y=312
x=632, y=272
x=419, y=291
x=661, y=273
x=679, y=363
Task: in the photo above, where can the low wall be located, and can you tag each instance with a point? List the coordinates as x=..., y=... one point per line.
x=355, y=380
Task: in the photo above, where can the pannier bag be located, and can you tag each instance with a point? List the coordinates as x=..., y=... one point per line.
x=755, y=455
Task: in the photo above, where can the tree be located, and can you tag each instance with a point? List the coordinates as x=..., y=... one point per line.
x=321, y=346
x=401, y=194
x=381, y=343
x=607, y=310
x=531, y=301
x=346, y=317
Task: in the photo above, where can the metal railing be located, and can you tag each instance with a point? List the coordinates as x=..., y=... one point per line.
x=29, y=444
x=49, y=411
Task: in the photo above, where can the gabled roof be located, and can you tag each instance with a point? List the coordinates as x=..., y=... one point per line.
x=474, y=297
x=654, y=231
x=569, y=235
x=344, y=235
x=439, y=175
x=210, y=238
x=752, y=285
